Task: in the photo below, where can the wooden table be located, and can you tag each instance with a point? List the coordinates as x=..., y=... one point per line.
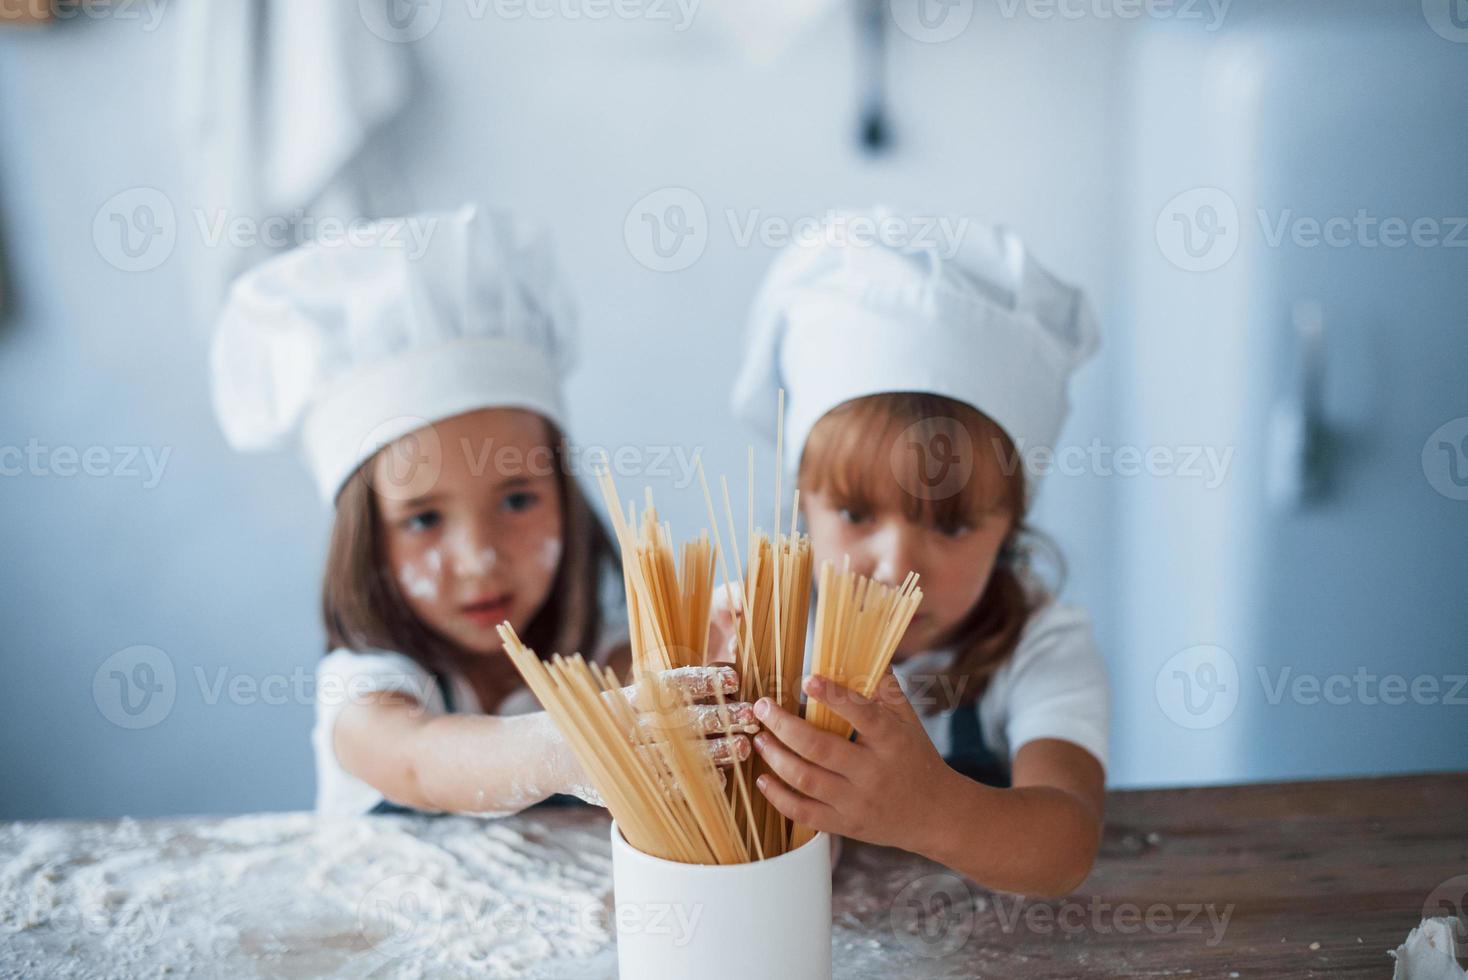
x=1269, y=881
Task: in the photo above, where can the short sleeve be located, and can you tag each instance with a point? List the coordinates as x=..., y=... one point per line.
x=1055, y=686
x=344, y=677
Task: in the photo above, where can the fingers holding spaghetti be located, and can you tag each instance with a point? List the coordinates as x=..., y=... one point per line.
x=800, y=809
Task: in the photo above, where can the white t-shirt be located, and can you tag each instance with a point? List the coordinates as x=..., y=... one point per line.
x=1053, y=686
x=343, y=676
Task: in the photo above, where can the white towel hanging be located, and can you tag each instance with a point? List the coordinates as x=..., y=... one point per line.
x=279, y=104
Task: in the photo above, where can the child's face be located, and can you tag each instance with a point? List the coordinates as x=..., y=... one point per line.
x=471, y=522
x=884, y=544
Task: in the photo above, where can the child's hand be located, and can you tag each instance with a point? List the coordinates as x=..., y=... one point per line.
x=880, y=788
x=725, y=620
x=729, y=725
x=564, y=772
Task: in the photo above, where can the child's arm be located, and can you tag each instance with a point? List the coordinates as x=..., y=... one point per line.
x=1039, y=838
x=484, y=763
x=455, y=763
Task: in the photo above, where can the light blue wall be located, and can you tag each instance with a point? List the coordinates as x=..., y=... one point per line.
x=1018, y=119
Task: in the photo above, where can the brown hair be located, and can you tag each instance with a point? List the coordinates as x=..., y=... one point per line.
x=363, y=608
x=839, y=457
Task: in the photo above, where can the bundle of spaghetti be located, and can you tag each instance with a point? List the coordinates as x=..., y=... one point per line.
x=658, y=779
x=668, y=600
x=859, y=624
x=770, y=652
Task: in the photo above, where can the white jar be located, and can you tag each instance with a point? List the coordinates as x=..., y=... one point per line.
x=723, y=921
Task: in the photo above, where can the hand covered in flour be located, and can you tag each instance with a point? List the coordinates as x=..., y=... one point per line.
x=727, y=726
x=877, y=788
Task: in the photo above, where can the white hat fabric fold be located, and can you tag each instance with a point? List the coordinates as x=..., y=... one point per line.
x=346, y=346
x=839, y=318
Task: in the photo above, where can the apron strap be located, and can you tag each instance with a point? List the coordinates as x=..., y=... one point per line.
x=969, y=754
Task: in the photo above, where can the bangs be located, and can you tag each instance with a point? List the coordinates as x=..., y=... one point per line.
x=938, y=461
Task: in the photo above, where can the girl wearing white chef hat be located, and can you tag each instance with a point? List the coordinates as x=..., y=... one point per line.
x=423, y=385
x=917, y=381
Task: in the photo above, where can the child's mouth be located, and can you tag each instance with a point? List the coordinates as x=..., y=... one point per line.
x=489, y=611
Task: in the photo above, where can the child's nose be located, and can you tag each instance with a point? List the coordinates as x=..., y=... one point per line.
x=893, y=554
x=472, y=552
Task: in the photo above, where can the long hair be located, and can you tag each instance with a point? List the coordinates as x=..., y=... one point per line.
x=840, y=456
x=363, y=608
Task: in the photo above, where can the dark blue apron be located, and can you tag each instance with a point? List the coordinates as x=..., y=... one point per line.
x=445, y=691
x=967, y=752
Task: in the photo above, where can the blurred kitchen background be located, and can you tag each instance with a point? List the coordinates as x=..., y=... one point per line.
x=1266, y=503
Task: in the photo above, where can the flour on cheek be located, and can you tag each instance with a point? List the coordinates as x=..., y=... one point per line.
x=421, y=580
x=550, y=554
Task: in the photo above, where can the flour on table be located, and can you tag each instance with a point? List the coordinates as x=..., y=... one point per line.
x=367, y=896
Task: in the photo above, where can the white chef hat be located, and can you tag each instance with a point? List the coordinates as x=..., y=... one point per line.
x=881, y=302
x=351, y=344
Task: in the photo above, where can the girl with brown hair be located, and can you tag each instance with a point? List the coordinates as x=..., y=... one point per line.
x=919, y=385
x=425, y=390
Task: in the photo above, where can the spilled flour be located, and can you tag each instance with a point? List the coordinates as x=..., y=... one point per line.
x=296, y=895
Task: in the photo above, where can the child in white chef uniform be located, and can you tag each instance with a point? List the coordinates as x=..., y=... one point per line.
x=425, y=394
x=918, y=384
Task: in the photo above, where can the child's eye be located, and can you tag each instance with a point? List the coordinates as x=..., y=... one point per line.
x=520, y=501
x=852, y=516
x=425, y=521
x=954, y=531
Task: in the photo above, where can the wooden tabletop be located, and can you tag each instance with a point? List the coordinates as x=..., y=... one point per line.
x=1279, y=881
x=1270, y=881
